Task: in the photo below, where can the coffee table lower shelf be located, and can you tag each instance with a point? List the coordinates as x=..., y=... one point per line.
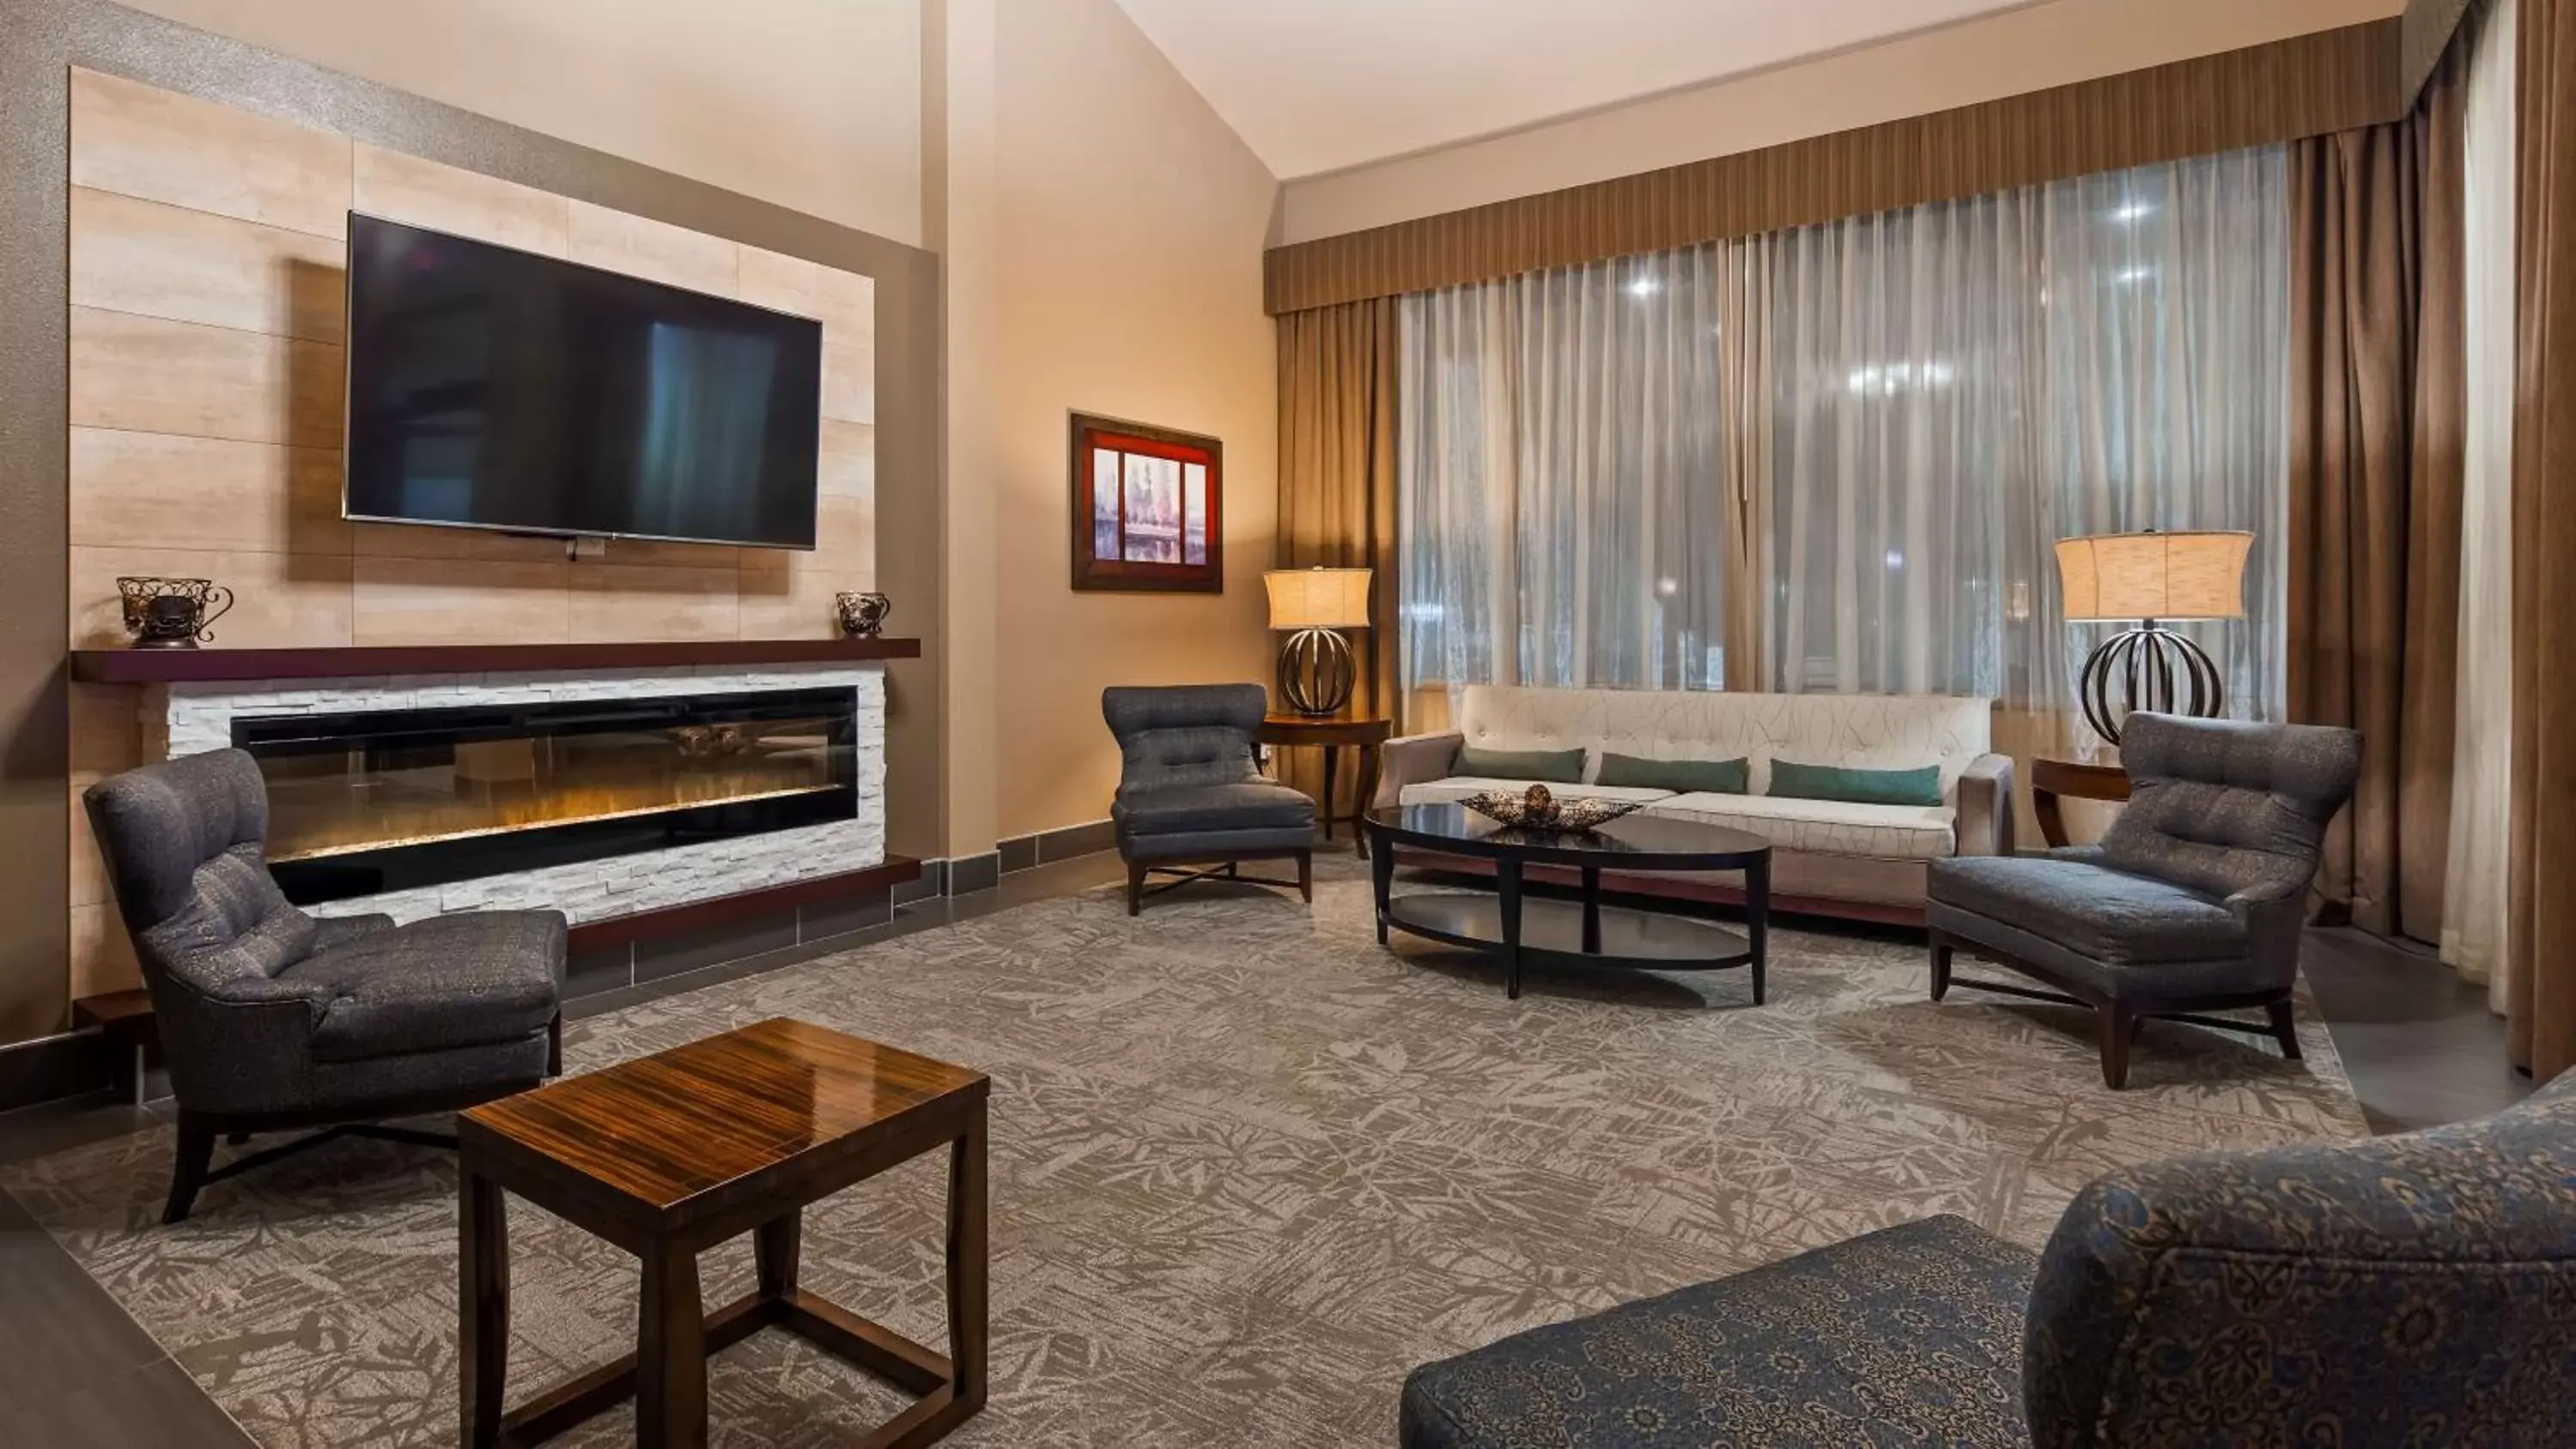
x=1573, y=933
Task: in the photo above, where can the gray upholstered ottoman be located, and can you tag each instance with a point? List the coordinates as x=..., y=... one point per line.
x=1908, y=1336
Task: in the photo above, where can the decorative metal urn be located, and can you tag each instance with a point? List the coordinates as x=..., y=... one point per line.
x=862, y=616
x=172, y=613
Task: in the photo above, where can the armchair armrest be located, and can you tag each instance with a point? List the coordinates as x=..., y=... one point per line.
x=1414, y=760
x=2275, y=916
x=1984, y=825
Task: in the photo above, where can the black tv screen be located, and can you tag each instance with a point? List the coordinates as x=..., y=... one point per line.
x=493, y=388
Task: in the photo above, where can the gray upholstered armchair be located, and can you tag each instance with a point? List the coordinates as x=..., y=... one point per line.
x=2397, y=1291
x=273, y=1020
x=1192, y=801
x=2193, y=902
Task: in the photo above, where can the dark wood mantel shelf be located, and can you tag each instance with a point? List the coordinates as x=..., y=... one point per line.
x=164, y=666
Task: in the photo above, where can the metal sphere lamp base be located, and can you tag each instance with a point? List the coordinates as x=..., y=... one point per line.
x=1316, y=672
x=2144, y=661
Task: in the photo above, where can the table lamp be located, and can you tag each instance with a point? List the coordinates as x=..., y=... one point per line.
x=1315, y=669
x=2153, y=579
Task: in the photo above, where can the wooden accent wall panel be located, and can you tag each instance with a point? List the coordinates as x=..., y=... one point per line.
x=208, y=301
x=2305, y=86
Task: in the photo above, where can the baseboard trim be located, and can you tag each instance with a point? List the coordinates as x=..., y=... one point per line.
x=1070, y=842
x=51, y=1068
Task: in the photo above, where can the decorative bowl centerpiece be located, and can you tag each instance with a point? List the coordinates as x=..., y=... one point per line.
x=1538, y=809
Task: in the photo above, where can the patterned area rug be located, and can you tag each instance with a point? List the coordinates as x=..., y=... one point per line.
x=1248, y=1167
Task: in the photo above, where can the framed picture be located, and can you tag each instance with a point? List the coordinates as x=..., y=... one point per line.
x=1148, y=508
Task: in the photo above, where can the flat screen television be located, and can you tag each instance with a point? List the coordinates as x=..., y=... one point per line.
x=492, y=388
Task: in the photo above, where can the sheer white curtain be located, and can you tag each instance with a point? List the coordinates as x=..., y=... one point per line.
x=1901, y=347
x=1562, y=478
x=1922, y=402
x=1960, y=385
x=2165, y=394
x=2473, y=913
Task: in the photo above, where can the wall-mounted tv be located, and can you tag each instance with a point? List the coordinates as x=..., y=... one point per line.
x=492, y=388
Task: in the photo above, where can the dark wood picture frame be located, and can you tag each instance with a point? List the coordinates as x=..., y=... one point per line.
x=1116, y=550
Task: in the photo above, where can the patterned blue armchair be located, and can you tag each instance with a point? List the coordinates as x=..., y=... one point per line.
x=2405, y=1291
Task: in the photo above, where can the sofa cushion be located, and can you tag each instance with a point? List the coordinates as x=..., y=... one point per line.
x=1879, y=732
x=448, y=981
x=1911, y=1335
x=1682, y=777
x=1204, y=809
x=2106, y=915
x=1458, y=787
x=1918, y=786
x=1825, y=827
x=1554, y=767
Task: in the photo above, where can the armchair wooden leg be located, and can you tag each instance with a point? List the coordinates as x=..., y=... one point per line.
x=1940, y=965
x=2119, y=1030
x=1306, y=875
x=196, y=1152
x=2285, y=1029
x=554, y=1046
x=1135, y=887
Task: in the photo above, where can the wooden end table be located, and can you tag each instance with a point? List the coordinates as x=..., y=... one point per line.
x=670, y=1154
x=2072, y=779
x=1330, y=733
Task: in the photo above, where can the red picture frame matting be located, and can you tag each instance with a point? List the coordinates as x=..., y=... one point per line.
x=1091, y=436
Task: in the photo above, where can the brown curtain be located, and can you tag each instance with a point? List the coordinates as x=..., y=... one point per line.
x=1337, y=489
x=2541, y=887
x=2378, y=421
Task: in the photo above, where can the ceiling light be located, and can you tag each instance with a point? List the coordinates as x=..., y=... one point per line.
x=2133, y=211
x=1644, y=287
x=2132, y=276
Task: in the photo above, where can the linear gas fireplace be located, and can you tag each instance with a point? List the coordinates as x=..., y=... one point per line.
x=365, y=803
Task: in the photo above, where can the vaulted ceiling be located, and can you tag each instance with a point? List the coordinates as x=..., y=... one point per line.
x=1318, y=85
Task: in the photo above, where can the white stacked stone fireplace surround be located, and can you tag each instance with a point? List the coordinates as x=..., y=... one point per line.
x=193, y=718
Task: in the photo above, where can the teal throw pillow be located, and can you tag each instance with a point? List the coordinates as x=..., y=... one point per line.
x=1794, y=781
x=1682, y=777
x=1556, y=767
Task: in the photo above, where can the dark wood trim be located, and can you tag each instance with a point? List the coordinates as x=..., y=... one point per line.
x=163, y=666
x=2308, y=85
x=670, y=920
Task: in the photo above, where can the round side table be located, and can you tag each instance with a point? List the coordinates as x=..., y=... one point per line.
x=2051, y=780
x=1330, y=733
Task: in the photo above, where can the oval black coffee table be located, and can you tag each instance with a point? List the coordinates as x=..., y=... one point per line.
x=1585, y=933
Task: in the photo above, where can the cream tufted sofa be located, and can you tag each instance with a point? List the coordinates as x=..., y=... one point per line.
x=1828, y=855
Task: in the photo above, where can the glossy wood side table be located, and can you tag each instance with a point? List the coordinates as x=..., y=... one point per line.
x=2051, y=780
x=1332, y=733
x=669, y=1155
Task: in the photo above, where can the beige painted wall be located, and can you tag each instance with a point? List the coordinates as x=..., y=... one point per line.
x=2049, y=44
x=812, y=104
x=1129, y=223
